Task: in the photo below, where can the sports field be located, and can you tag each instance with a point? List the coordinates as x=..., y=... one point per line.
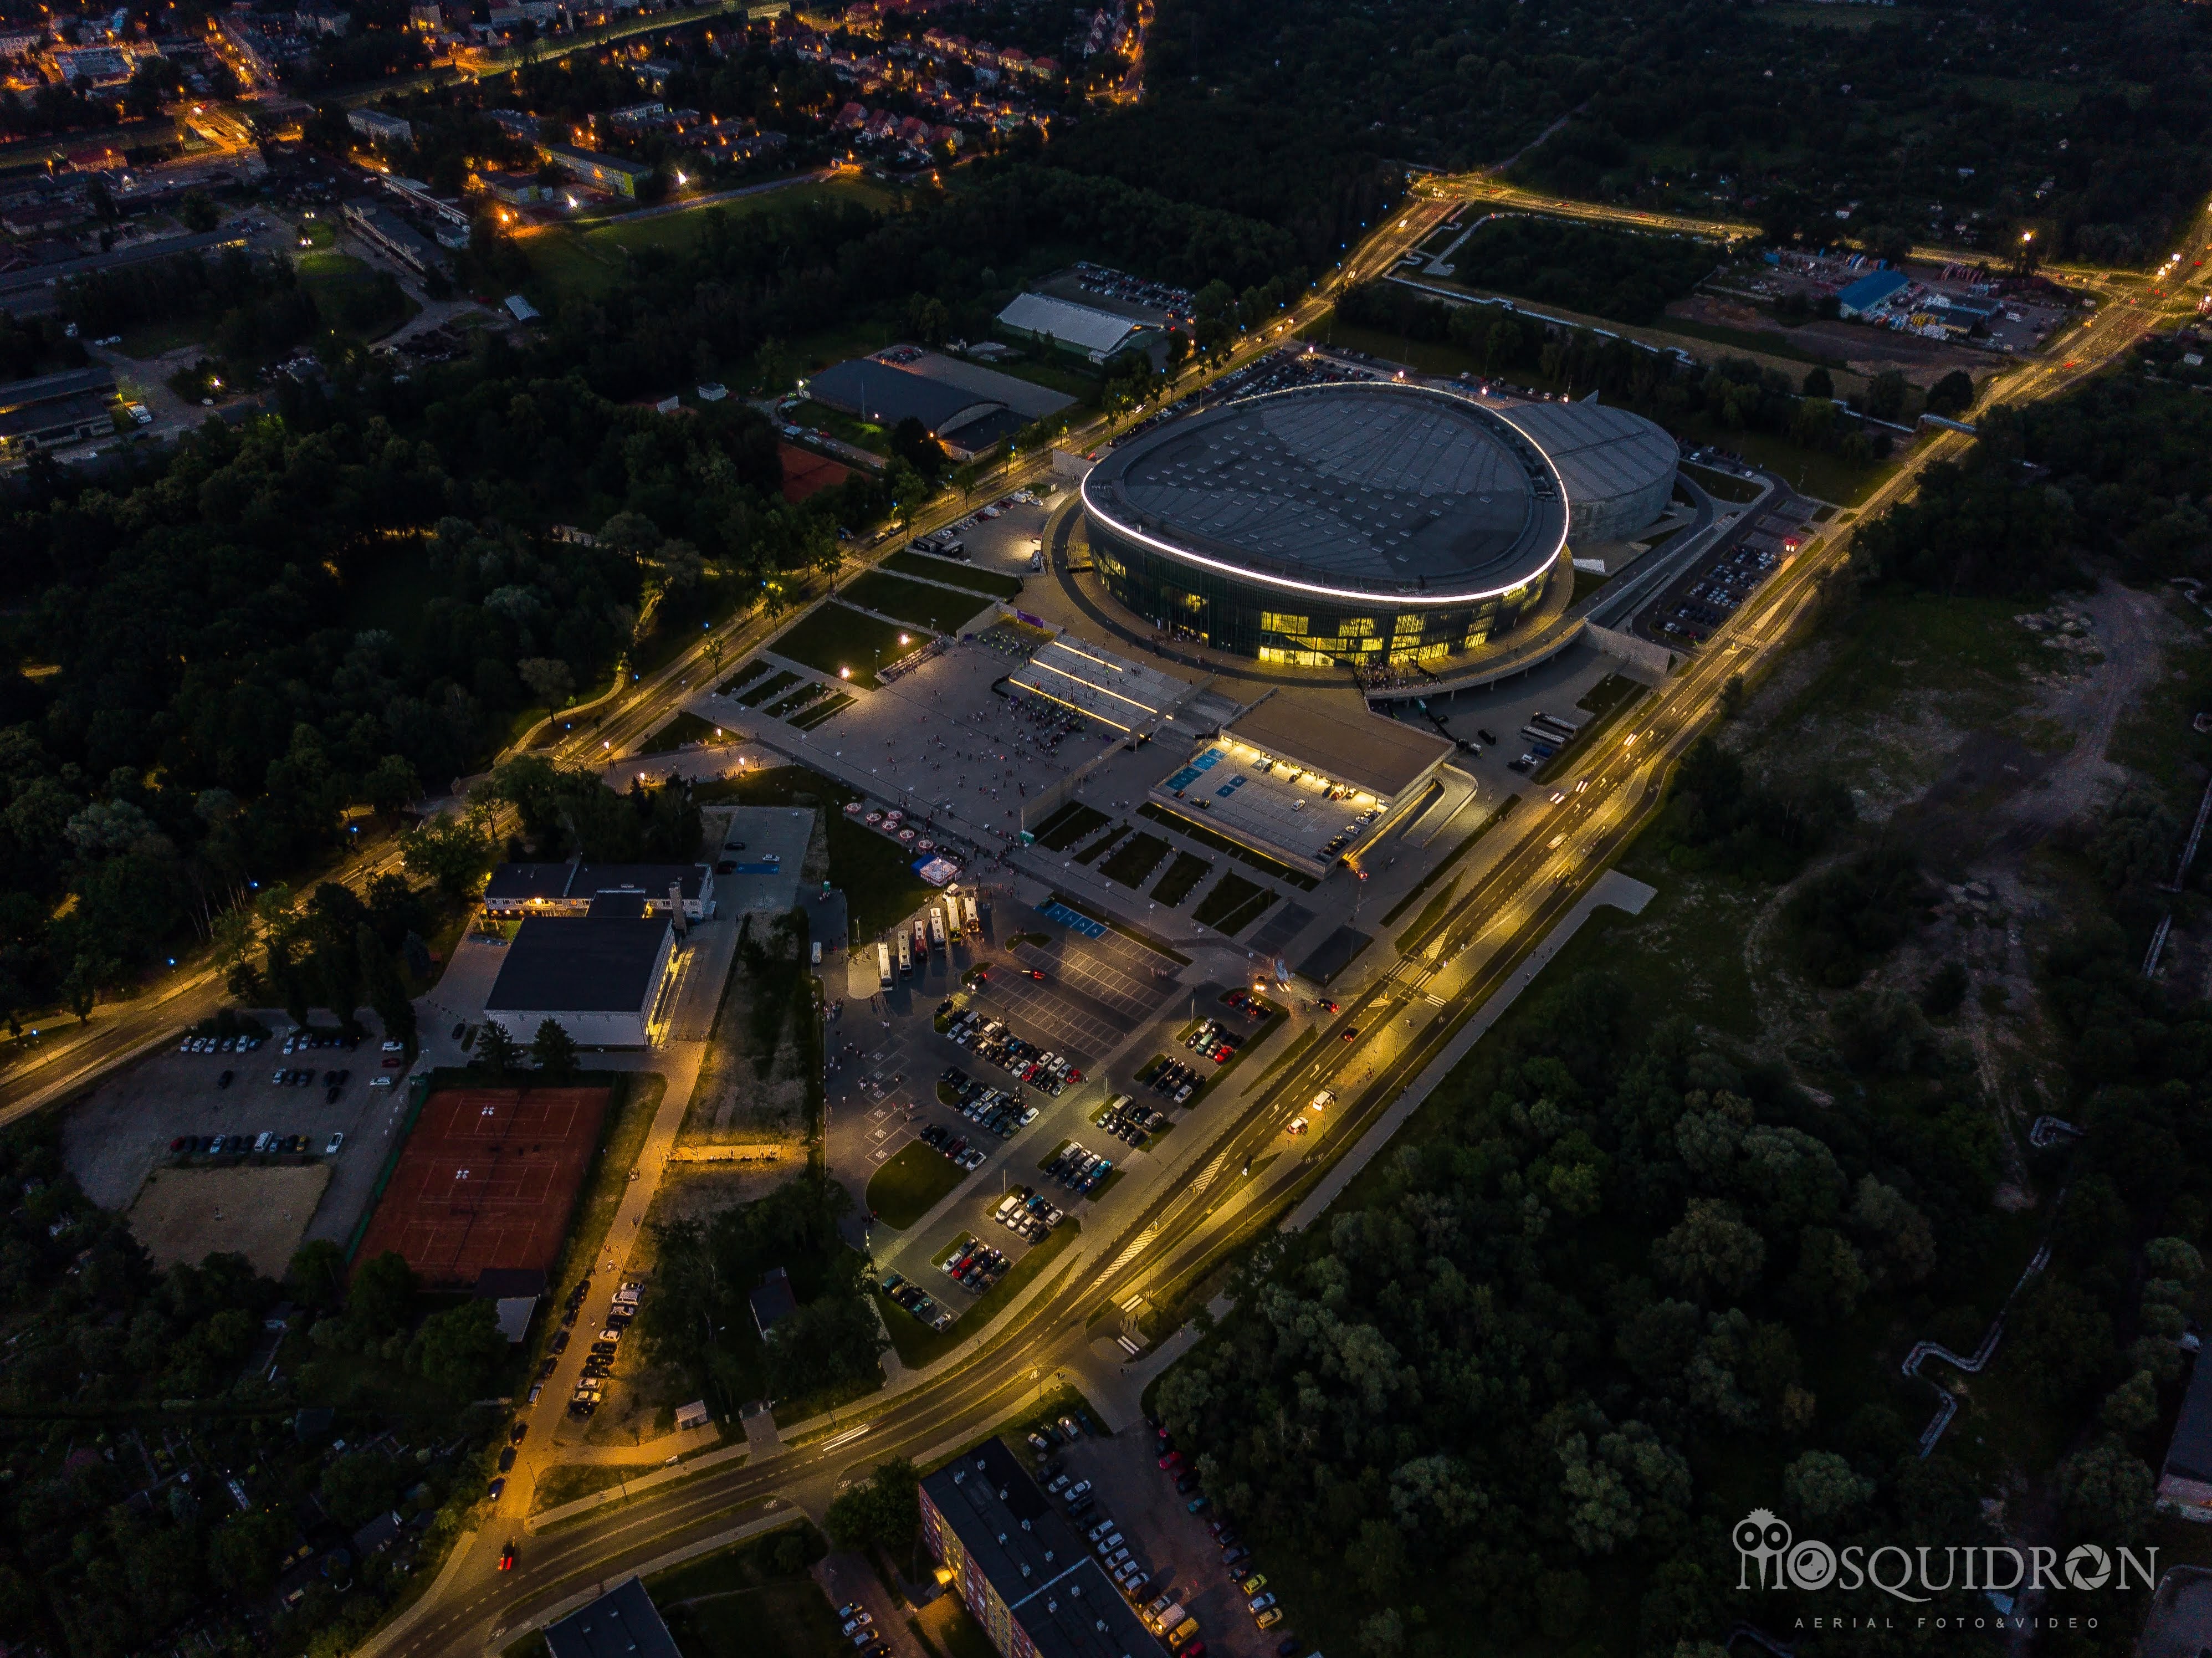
x=488, y=1178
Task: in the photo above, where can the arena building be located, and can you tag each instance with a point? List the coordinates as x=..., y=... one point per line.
x=1362, y=523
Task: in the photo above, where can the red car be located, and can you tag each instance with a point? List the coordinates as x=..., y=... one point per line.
x=1172, y=1460
x=1034, y=974
x=1350, y=1032
x=506, y=1557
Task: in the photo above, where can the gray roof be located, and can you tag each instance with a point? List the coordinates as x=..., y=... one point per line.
x=1602, y=452
x=623, y=1622
x=520, y=882
x=578, y=964
x=880, y=392
x=1033, y=1558
x=1024, y=397
x=772, y=1300
x=1361, y=489
x=51, y=388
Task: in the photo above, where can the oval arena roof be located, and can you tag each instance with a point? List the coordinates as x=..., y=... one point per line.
x=1358, y=491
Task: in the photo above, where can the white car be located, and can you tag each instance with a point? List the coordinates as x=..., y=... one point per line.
x=390, y=1046
x=380, y=1082
x=331, y=1150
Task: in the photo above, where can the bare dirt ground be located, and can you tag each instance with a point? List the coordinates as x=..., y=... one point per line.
x=187, y=1214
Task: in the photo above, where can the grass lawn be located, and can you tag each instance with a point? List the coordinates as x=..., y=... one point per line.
x=1438, y=871
x=1825, y=476
x=948, y=1632
x=568, y=1481
x=956, y=573
x=823, y=713
x=784, y=680
x=911, y=1184
x=1071, y=823
x=1183, y=875
x=622, y=1137
x=685, y=728
x=918, y=1345
x=744, y=676
x=912, y=601
x=153, y=339
x=835, y=637
x=784, y=706
x=1721, y=486
x=1233, y=901
x=336, y=281
x=876, y=874
x=1139, y=856
x=792, y=1619
x=1112, y=837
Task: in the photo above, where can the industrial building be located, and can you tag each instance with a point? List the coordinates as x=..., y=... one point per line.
x=1096, y=335
x=1618, y=468
x=966, y=408
x=54, y=409
x=1309, y=779
x=598, y=976
x=606, y=173
x=1019, y=1566
x=1352, y=524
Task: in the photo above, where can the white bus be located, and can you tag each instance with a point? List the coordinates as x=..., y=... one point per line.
x=975, y=921
x=906, y=956
x=920, y=939
x=884, y=965
x=952, y=916
x=936, y=927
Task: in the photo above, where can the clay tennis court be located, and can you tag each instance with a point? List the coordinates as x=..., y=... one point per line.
x=806, y=472
x=488, y=1178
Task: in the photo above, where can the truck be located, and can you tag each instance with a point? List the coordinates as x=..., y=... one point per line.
x=884, y=965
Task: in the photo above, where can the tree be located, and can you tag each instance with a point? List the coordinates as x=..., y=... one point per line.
x=1820, y=383
x=496, y=1051
x=317, y=1274
x=885, y=1511
x=1711, y=1250
x=2105, y=1492
x=393, y=784
x=387, y=991
x=555, y=1051
x=1824, y=1487
x=458, y=1349
x=551, y=680
x=1952, y=395
x=381, y=1300
x=454, y=852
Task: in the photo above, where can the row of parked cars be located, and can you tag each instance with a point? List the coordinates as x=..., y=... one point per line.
x=916, y=1301
x=1027, y=1214
x=1001, y=1110
x=990, y=1040
x=973, y=1265
x=266, y=1144
x=1131, y=1123
x=599, y=1361
x=1214, y=1040
x=1236, y=1557
x=857, y=1625
x=939, y=1137
x=1080, y=1171
x=1172, y=1080
x=220, y=1044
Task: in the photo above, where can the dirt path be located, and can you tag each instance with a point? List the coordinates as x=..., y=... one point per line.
x=2127, y=624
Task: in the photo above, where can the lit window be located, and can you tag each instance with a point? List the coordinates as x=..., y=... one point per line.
x=1355, y=627
x=1409, y=625
x=1281, y=622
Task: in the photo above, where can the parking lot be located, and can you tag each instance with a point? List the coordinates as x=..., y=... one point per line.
x=1175, y=1549
x=114, y=1139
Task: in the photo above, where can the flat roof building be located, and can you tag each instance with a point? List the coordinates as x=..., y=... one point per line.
x=386, y=230
x=965, y=408
x=569, y=889
x=600, y=172
x=1870, y=291
x=378, y=127
x=1304, y=779
x=1019, y=1566
x=596, y=977
x=623, y=1622
x=1618, y=468
x=53, y=410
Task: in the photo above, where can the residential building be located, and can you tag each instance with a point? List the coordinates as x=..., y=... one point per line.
x=772, y=1302
x=570, y=890
x=623, y=1622
x=380, y=128
x=416, y=195
x=1019, y=1566
x=319, y=18
x=389, y=233
x=606, y=172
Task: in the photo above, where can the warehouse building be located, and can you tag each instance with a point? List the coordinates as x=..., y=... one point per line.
x=1096, y=334
x=966, y=408
x=54, y=409
x=1019, y=1566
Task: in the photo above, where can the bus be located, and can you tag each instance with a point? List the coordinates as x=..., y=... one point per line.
x=952, y=916
x=936, y=927
x=975, y=921
x=921, y=939
x=906, y=956
x=884, y=965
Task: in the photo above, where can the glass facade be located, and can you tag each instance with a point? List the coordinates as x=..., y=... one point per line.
x=1249, y=618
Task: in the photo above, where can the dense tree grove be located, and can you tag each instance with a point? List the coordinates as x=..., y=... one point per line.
x=117, y=1367
x=705, y=1272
